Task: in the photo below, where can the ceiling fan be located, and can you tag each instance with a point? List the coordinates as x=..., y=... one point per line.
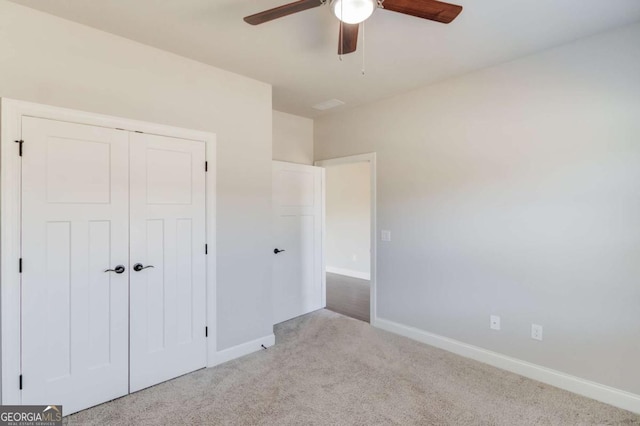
x=352, y=12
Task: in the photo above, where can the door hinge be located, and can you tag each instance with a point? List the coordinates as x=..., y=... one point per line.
x=206, y=166
x=20, y=382
x=206, y=332
x=20, y=143
x=206, y=249
x=20, y=265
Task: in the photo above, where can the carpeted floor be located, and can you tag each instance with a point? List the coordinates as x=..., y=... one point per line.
x=327, y=369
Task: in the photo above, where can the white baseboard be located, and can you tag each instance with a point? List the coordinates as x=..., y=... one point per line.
x=244, y=349
x=616, y=397
x=349, y=273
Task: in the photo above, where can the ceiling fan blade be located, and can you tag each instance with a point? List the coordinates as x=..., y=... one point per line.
x=348, y=38
x=428, y=9
x=280, y=11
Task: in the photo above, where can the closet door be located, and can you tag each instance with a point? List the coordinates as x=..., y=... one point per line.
x=168, y=294
x=74, y=227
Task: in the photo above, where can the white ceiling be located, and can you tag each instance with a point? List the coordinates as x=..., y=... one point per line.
x=298, y=54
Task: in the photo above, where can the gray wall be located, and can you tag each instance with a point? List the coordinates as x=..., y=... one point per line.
x=53, y=61
x=292, y=138
x=514, y=191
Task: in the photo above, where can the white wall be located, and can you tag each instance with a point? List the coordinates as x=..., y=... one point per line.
x=292, y=138
x=348, y=222
x=52, y=61
x=514, y=191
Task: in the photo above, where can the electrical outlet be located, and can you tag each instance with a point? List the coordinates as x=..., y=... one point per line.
x=536, y=331
x=385, y=235
x=494, y=322
x=354, y=257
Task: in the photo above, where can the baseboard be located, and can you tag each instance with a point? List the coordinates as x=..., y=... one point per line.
x=244, y=349
x=349, y=273
x=616, y=397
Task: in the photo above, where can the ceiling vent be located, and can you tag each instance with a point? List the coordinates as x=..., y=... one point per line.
x=331, y=103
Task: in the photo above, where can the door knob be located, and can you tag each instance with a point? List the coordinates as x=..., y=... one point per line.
x=118, y=269
x=139, y=267
x=276, y=251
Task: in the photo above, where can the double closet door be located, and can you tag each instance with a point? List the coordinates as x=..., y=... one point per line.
x=113, y=252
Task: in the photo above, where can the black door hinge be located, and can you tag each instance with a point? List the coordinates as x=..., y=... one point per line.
x=20, y=265
x=20, y=382
x=20, y=142
x=206, y=249
x=206, y=166
x=206, y=332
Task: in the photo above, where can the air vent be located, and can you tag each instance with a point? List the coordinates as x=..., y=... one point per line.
x=332, y=103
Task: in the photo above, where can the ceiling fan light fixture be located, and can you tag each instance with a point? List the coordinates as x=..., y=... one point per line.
x=353, y=11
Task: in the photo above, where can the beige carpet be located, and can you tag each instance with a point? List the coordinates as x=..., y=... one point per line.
x=327, y=369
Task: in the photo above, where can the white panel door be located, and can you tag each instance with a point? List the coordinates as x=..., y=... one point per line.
x=168, y=296
x=74, y=227
x=297, y=269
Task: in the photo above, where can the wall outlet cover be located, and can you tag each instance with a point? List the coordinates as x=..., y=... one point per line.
x=494, y=322
x=536, y=331
x=385, y=235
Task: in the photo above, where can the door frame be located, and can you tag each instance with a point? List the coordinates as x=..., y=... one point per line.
x=371, y=159
x=11, y=113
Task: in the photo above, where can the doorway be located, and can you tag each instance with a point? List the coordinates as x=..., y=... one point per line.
x=350, y=235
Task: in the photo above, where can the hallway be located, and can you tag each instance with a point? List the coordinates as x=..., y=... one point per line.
x=348, y=296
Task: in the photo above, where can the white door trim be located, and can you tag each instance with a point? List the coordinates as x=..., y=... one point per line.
x=371, y=159
x=11, y=113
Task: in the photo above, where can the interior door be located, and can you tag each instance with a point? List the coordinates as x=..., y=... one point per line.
x=168, y=293
x=74, y=228
x=297, y=269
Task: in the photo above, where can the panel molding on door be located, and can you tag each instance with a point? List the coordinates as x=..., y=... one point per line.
x=168, y=235
x=297, y=216
x=74, y=227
